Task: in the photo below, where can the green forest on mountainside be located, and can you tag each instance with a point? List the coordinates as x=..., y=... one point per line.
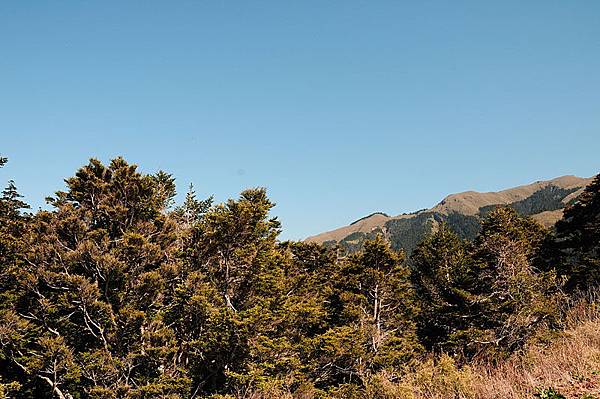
x=118, y=292
x=404, y=232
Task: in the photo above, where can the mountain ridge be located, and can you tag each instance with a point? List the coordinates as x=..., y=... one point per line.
x=543, y=200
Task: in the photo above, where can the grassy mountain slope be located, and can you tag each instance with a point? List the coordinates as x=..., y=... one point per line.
x=543, y=200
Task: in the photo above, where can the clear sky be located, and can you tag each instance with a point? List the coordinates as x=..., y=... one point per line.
x=339, y=108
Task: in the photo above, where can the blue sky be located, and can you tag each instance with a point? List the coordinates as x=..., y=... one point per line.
x=339, y=108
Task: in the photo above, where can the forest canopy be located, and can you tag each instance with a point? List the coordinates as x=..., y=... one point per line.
x=118, y=292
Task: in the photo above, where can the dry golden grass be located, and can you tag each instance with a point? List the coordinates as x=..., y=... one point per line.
x=570, y=364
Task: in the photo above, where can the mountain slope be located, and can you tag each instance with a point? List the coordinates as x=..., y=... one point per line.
x=543, y=200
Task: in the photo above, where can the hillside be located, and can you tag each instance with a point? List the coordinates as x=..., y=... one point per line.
x=542, y=200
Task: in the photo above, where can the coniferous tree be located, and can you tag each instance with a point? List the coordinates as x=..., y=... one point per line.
x=575, y=249
x=14, y=330
x=231, y=240
x=96, y=271
x=486, y=298
x=235, y=263
x=191, y=211
x=375, y=322
x=511, y=299
x=442, y=277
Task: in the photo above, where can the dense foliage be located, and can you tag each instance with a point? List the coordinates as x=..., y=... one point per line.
x=576, y=245
x=118, y=293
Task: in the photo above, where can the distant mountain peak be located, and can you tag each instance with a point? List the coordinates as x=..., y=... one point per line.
x=372, y=215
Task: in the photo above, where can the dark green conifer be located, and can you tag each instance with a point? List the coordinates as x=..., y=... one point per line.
x=576, y=246
x=442, y=276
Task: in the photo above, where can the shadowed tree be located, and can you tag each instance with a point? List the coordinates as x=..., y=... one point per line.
x=441, y=275
x=576, y=245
